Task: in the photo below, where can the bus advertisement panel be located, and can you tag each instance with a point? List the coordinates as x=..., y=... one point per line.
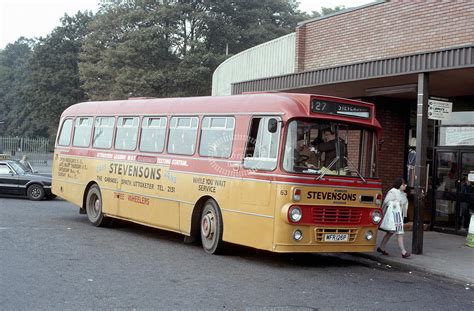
x=278, y=172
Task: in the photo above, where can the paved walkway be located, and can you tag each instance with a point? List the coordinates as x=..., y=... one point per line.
x=444, y=254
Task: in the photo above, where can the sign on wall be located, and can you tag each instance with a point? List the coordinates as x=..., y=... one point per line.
x=439, y=110
x=458, y=136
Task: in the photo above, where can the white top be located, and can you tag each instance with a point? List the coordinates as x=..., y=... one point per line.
x=398, y=196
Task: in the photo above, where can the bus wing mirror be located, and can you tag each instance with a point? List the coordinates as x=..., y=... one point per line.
x=272, y=125
x=381, y=141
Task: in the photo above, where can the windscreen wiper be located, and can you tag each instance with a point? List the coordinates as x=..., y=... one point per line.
x=355, y=169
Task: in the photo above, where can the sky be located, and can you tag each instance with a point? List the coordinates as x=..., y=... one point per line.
x=37, y=18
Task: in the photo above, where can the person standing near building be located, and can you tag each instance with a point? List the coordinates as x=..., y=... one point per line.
x=395, y=206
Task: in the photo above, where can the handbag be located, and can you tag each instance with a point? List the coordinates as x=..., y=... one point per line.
x=388, y=222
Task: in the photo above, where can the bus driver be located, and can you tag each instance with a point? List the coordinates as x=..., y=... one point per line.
x=329, y=148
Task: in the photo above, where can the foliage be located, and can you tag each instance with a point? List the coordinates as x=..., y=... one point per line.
x=13, y=75
x=131, y=48
x=53, y=72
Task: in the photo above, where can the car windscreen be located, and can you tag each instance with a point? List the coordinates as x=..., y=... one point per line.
x=19, y=168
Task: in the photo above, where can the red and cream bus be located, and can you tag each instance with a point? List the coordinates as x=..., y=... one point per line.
x=227, y=169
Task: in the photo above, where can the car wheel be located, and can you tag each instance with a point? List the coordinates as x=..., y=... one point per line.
x=35, y=192
x=94, y=207
x=211, y=228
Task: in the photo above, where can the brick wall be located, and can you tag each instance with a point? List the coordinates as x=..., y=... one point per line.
x=393, y=117
x=384, y=30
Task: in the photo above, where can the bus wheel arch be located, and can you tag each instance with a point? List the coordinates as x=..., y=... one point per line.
x=196, y=219
x=93, y=206
x=86, y=191
x=211, y=227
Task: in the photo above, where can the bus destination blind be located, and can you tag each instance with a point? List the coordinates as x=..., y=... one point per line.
x=335, y=108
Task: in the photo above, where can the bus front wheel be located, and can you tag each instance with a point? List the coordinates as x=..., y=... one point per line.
x=211, y=228
x=94, y=207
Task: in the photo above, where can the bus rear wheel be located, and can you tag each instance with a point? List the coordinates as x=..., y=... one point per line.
x=94, y=207
x=211, y=228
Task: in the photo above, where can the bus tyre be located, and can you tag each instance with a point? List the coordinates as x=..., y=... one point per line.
x=211, y=228
x=94, y=207
x=35, y=192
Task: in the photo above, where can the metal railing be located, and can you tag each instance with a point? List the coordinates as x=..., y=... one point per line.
x=38, y=151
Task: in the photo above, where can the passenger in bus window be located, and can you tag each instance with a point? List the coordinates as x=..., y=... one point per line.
x=329, y=149
x=304, y=156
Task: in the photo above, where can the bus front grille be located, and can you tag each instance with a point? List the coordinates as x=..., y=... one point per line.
x=336, y=215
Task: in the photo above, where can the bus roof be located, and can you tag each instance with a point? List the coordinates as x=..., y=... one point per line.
x=287, y=104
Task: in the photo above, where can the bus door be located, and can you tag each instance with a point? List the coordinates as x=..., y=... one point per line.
x=255, y=192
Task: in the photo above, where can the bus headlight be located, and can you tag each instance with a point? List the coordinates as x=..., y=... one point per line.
x=369, y=235
x=295, y=213
x=376, y=216
x=297, y=235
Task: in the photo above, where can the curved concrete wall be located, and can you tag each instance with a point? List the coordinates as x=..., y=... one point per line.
x=272, y=58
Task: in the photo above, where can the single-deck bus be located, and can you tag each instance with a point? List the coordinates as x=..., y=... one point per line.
x=256, y=169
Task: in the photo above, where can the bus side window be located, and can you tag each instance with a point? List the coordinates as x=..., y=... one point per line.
x=262, y=145
x=182, y=135
x=82, y=133
x=127, y=132
x=153, y=134
x=65, y=133
x=217, y=135
x=103, y=132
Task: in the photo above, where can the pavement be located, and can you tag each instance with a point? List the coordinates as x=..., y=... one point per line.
x=445, y=255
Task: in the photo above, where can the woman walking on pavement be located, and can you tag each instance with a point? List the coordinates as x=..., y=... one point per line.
x=394, y=206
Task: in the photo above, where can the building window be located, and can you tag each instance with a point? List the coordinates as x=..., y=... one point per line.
x=458, y=130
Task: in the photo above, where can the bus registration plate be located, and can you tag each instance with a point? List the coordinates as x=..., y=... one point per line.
x=336, y=237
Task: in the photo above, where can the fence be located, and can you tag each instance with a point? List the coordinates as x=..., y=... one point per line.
x=37, y=150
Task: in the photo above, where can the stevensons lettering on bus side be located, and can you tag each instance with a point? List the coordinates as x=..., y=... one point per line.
x=333, y=196
x=133, y=170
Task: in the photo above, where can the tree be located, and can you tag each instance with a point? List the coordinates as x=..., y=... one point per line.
x=171, y=48
x=327, y=11
x=13, y=84
x=53, y=77
x=128, y=51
